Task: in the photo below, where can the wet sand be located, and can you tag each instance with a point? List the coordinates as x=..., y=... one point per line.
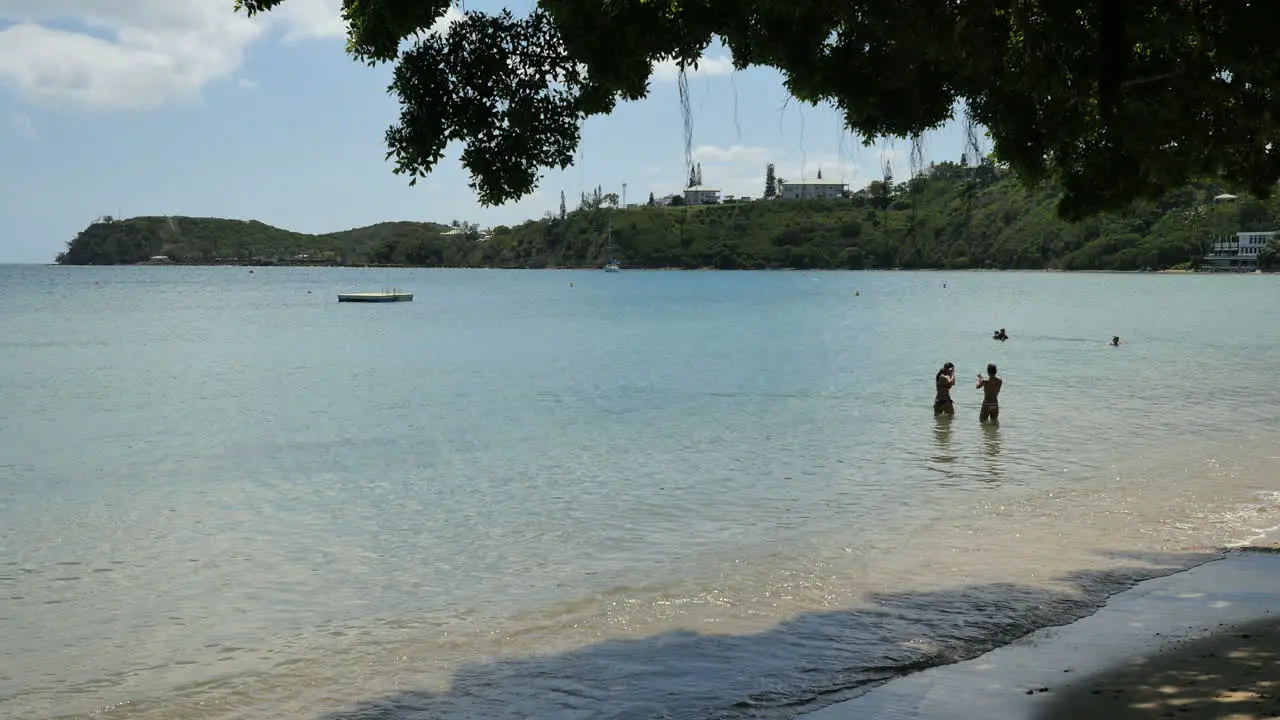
x=1204, y=643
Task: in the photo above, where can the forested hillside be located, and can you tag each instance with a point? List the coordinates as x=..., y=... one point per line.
x=951, y=217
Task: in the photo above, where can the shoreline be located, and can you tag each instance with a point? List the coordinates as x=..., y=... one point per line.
x=1196, y=643
x=319, y=266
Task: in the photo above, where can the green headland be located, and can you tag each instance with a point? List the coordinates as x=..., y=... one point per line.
x=951, y=217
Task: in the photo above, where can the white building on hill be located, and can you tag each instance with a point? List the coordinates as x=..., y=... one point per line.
x=1239, y=250
x=701, y=195
x=813, y=190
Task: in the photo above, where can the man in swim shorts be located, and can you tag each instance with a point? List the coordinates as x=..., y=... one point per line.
x=990, y=387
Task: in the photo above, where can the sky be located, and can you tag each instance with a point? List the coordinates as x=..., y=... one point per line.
x=185, y=107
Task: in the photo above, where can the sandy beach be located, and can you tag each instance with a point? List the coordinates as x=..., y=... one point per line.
x=1200, y=644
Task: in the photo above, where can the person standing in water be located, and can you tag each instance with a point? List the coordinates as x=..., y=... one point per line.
x=990, y=387
x=943, y=382
x=1115, y=341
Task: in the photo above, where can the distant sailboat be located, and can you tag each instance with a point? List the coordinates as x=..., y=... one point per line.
x=612, y=265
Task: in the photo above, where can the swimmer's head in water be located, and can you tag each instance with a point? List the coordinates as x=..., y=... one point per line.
x=991, y=369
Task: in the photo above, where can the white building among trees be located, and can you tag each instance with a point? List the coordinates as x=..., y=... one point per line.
x=700, y=195
x=813, y=189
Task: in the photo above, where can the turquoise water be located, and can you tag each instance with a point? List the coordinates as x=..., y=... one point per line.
x=578, y=494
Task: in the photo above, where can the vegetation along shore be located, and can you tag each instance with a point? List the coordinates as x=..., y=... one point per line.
x=950, y=217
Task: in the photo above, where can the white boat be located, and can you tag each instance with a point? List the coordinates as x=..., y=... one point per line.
x=379, y=297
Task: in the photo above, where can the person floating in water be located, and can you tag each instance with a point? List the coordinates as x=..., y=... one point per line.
x=1000, y=335
x=943, y=382
x=1115, y=341
x=990, y=387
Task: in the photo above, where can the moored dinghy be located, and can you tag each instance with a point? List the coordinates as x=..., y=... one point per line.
x=378, y=297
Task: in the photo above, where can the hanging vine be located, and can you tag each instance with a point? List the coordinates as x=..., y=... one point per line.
x=842, y=152
x=972, y=155
x=916, y=181
x=737, y=125
x=686, y=116
x=886, y=179
x=804, y=154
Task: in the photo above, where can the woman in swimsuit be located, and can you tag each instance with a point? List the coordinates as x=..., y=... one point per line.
x=943, y=382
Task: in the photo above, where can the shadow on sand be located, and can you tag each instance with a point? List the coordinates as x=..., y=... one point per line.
x=797, y=666
x=1232, y=674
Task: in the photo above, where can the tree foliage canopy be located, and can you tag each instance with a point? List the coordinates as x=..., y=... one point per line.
x=1117, y=100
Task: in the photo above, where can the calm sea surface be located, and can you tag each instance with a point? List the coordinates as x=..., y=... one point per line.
x=581, y=495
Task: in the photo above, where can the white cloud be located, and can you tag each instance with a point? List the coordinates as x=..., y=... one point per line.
x=310, y=19
x=890, y=153
x=22, y=123
x=140, y=54
x=247, y=84
x=451, y=16
x=322, y=20
x=733, y=154
x=708, y=66
x=135, y=54
x=440, y=27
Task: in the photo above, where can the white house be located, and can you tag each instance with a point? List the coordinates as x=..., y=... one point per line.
x=701, y=195
x=1251, y=243
x=813, y=189
x=1240, y=250
x=459, y=230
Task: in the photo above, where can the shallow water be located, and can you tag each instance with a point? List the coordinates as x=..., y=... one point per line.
x=224, y=495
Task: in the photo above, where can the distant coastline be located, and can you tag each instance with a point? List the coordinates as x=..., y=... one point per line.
x=953, y=218
x=583, y=268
